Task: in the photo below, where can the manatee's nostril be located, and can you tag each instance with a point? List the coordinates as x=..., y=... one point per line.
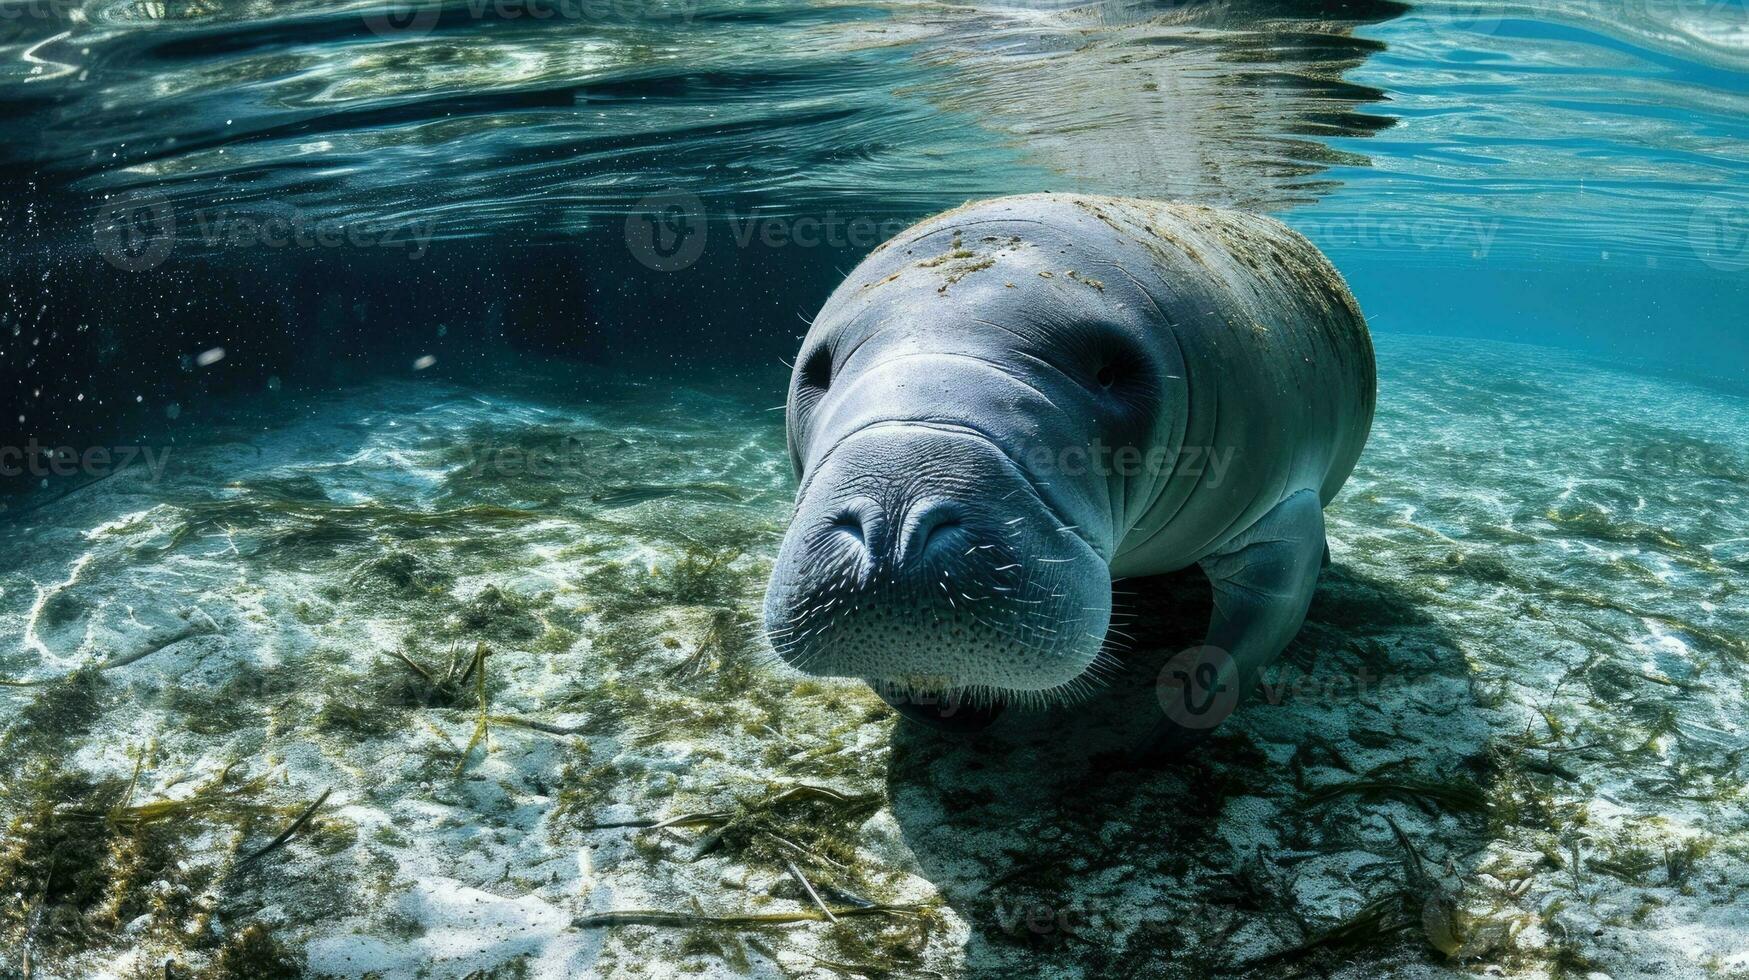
x=857, y=522
x=938, y=534
x=850, y=525
x=934, y=524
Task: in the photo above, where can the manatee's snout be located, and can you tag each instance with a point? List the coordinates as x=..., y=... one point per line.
x=922, y=560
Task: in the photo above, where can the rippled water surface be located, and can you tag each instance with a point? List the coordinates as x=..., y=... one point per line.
x=1591, y=125
x=532, y=116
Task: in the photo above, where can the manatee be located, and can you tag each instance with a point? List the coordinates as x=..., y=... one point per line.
x=1011, y=404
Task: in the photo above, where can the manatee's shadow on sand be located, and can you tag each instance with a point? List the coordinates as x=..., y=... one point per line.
x=1060, y=850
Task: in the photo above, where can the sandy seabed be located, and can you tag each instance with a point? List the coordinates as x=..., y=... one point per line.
x=441, y=682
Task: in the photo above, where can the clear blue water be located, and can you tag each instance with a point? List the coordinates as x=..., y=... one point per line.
x=436, y=327
x=1572, y=175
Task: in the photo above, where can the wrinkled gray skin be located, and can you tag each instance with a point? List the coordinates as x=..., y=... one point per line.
x=955, y=528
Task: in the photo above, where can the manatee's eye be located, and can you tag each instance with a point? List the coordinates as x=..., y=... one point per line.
x=1119, y=365
x=817, y=369
x=1122, y=381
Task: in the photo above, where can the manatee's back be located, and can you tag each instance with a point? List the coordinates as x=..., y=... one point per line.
x=1282, y=316
x=1278, y=364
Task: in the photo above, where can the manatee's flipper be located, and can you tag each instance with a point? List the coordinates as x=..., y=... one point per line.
x=1263, y=581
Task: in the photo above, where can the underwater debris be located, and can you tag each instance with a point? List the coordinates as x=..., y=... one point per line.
x=254, y=954
x=343, y=712
x=722, y=649
x=655, y=917
x=1680, y=862
x=402, y=573
x=293, y=526
x=1448, y=926
x=193, y=627
x=82, y=860
x=785, y=829
x=535, y=725
x=285, y=836
x=1376, y=921
x=750, y=808
x=59, y=714
x=500, y=613
x=584, y=785
x=699, y=576
x=774, y=827
x=481, y=721
x=807, y=886
x=201, y=626
x=430, y=687
x=242, y=700
x=1457, y=794
x=632, y=495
